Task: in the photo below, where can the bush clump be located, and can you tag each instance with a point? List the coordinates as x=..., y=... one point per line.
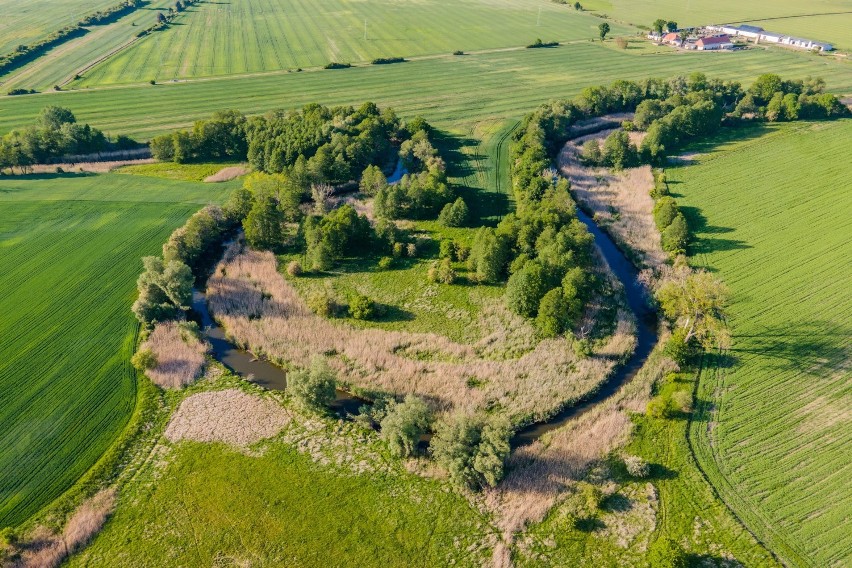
x=294, y=268
x=321, y=303
x=442, y=272
x=403, y=425
x=336, y=65
x=637, y=467
x=387, y=60
x=472, y=449
x=143, y=360
x=362, y=307
x=313, y=389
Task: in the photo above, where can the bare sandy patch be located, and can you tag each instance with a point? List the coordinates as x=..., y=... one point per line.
x=260, y=310
x=180, y=357
x=619, y=201
x=230, y=416
x=227, y=174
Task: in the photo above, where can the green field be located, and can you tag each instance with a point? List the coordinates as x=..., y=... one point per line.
x=69, y=257
x=453, y=93
x=771, y=214
x=30, y=21
x=59, y=65
x=214, y=506
x=246, y=36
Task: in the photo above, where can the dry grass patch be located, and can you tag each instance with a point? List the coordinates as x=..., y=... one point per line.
x=46, y=549
x=227, y=174
x=619, y=201
x=230, y=416
x=264, y=313
x=180, y=356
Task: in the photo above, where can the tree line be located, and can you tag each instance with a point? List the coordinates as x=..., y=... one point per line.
x=55, y=134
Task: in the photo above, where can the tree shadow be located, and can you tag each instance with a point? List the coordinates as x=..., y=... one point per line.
x=589, y=524
x=705, y=239
x=616, y=503
x=391, y=313
x=701, y=560
x=812, y=347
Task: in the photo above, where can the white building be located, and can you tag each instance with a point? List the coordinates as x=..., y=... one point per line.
x=758, y=34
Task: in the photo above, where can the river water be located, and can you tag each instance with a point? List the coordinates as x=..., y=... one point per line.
x=269, y=376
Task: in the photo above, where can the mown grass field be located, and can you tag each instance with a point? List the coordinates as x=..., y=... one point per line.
x=455, y=93
x=70, y=249
x=26, y=22
x=770, y=209
x=214, y=506
x=244, y=36
x=59, y=65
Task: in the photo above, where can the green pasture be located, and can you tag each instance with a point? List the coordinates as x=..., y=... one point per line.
x=454, y=93
x=30, y=21
x=247, y=36
x=59, y=65
x=770, y=210
x=69, y=257
x=214, y=506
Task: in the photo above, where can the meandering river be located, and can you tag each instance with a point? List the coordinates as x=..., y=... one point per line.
x=269, y=376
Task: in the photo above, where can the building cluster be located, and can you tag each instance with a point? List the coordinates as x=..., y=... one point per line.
x=730, y=37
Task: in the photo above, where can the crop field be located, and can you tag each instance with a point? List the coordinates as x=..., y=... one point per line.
x=453, y=93
x=25, y=22
x=69, y=257
x=244, y=36
x=771, y=213
x=62, y=63
x=281, y=508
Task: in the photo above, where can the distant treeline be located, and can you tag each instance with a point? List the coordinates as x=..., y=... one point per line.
x=26, y=53
x=162, y=20
x=55, y=134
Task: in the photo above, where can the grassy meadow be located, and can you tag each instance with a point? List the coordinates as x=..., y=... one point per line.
x=69, y=257
x=248, y=36
x=30, y=21
x=770, y=209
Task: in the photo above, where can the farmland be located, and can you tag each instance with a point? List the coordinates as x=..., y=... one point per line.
x=26, y=22
x=59, y=65
x=771, y=212
x=246, y=36
x=70, y=255
x=453, y=93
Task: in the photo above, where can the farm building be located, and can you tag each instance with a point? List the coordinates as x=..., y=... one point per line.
x=714, y=42
x=758, y=34
x=672, y=38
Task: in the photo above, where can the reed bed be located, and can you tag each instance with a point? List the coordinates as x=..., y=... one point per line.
x=180, y=357
x=264, y=313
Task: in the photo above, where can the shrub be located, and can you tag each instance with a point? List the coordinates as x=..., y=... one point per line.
x=165, y=290
x=313, y=389
x=321, y=303
x=404, y=424
x=442, y=272
x=447, y=249
x=398, y=250
x=682, y=400
x=675, y=237
x=385, y=263
x=665, y=553
x=665, y=211
x=661, y=407
x=294, y=268
x=387, y=60
x=411, y=250
x=336, y=65
x=678, y=349
x=472, y=450
x=591, y=496
x=458, y=52
x=462, y=252
x=361, y=307
x=143, y=360
x=637, y=467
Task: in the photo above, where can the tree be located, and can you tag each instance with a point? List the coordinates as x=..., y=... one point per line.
x=671, y=26
x=472, y=449
x=618, y=152
x=239, y=205
x=591, y=153
x=675, y=237
x=665, y=553
x=165, y=290
x=487, y=258
x=696, y=303
x=578, y=6
x=372, y=181
x=263, y=225
x=404, y=424
x=525, y=289
x=454, y=214
x=665, y=211
x=603, y=29
x=552, y=314
x=658, y=26
x=53, y=117
x=313, y=389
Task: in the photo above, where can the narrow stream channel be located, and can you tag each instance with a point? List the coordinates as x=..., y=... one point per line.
x=271, y=377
